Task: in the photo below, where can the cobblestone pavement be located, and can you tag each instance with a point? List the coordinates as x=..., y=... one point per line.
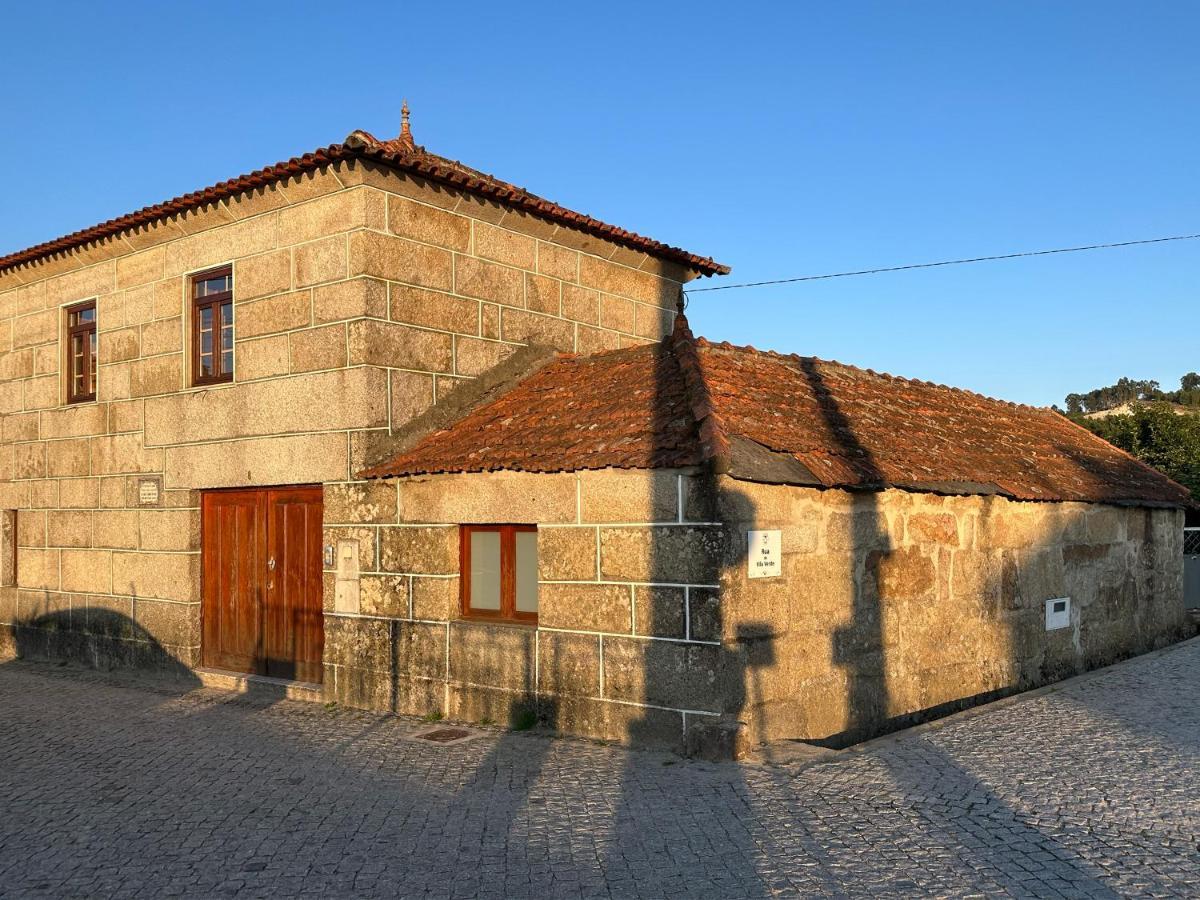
x=110, y=788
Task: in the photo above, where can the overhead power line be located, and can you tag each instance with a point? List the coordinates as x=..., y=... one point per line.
x=945, y=262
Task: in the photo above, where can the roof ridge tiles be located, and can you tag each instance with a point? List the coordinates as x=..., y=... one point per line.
x=362, y=144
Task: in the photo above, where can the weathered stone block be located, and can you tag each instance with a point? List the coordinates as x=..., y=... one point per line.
x=567, y=554
x=558, y=262
x=660, y=612
x=360, y=502
x=938, y=528
x=474, y=356
x=620, y=496
x=87, y=571
x=569, y=665
x=115, y=529
x=586, y=607
x=163, y=576
x=428, y=224
x=162, y=336
x=681, y=554
x=431, y=309
x=421, y=551
x=115, y=454
x=493, y=497
x=322, y=401
x=156, y=375
x=533, y=328
x=488, y=281
x=320, y=261
x=120, y=345
x=504, y=246
x=78, y=493
x=262, y=357
x=717, y=740
x=69, y=528
x=412, y=394
x=283, y=312
x=169, y=529
x=397, y=259
x=436, y=599
x=351, y=299
x=261, y=276
x=543, y=294
x=31, y=528
x=384, y=595
x=316, y=349
x=38, y=569
x=580, y=304
x=662, y=673
x=616, y=313
x=492, y=655
x=29, y=460
x=376, y=343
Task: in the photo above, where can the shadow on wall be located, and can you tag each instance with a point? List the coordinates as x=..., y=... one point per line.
x=953, y=621
x=95, y=637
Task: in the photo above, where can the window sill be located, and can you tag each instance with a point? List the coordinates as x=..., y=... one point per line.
x=477, y=619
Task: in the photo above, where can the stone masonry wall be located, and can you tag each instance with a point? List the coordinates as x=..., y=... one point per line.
x=627, y=645
x=892, y=607
x=895, y=606
x=361, y=297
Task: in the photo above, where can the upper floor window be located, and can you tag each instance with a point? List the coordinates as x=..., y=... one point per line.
x=212, y=326
x=81, y=352
x=500, y=572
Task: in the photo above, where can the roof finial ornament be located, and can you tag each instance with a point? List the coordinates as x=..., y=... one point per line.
x=405, y=130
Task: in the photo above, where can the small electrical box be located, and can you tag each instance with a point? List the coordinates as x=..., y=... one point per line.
x=1058, y=613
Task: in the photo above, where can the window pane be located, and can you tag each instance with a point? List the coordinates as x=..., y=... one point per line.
x=77, y=365
x=527, y=572
x=226, y=338
x=485, y=570
x=87, y=315
x=215, y=285
x=205, y=336
x=92, y=360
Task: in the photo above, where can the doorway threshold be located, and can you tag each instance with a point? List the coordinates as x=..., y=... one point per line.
x=262, y=685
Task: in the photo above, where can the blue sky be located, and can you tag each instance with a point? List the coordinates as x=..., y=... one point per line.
x=783, y=139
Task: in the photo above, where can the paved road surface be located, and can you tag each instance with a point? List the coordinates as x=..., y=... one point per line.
x=108, y=788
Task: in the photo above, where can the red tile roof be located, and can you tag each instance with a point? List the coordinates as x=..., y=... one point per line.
x=400, y=154
x=767, y=417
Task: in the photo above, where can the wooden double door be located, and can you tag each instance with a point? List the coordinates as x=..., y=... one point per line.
x=261, y=570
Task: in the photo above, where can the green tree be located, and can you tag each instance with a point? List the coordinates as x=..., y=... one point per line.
x=1159, y=437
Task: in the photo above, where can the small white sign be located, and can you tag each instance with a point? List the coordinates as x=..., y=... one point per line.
x=763, y=554
x=149, y=491
x=1058, y=613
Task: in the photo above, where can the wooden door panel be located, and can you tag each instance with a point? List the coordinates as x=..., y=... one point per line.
x=262, y=590
x=233, y=527
x=293, y=617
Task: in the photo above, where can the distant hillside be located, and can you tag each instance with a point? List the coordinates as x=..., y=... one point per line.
x=1126, y=409
x=1129, y=390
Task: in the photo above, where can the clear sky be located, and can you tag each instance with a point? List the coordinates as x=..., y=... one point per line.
x=783, y=139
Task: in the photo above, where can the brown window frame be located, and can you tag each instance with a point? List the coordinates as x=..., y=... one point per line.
x=213, y=302
x=88, y=330
x=508, y=575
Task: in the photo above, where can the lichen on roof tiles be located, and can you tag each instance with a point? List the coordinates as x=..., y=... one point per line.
x=684, y=401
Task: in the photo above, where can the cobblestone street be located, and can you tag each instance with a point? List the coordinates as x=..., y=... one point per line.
x=110, y=788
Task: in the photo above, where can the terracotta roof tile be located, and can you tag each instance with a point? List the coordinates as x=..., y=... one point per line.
x=400, y=154
x=688, y=402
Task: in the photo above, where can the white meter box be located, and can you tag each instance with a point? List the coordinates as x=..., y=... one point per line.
x=763, y=554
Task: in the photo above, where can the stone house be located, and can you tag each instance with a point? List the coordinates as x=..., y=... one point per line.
x=415, y=439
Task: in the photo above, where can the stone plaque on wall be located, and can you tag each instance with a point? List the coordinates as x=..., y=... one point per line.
x=147, y=490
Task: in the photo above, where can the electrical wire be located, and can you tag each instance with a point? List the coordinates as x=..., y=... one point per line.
x=947, y=262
